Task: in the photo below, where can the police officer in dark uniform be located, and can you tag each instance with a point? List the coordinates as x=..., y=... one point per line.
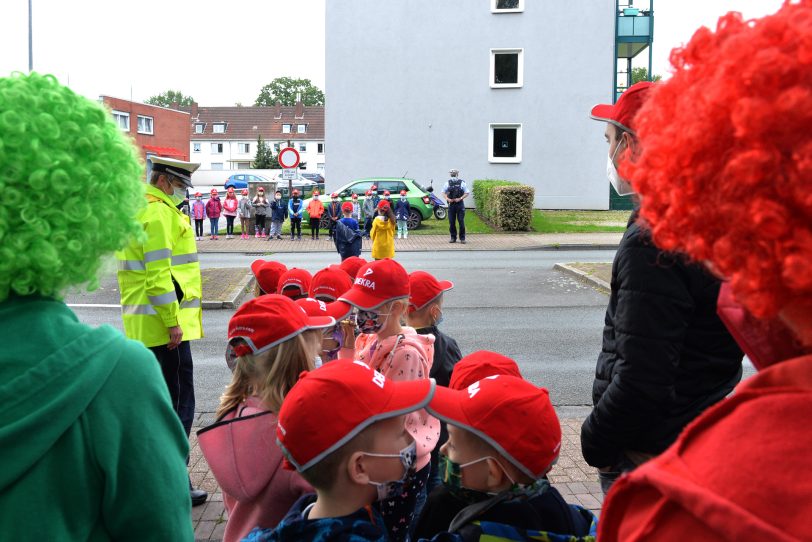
x=455, y=193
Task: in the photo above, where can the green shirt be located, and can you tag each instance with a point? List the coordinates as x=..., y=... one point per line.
x=89, y=444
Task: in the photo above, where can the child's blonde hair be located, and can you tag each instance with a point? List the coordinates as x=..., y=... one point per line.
x=271, y=374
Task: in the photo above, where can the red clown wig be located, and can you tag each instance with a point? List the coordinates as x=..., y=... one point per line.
x=725, y=169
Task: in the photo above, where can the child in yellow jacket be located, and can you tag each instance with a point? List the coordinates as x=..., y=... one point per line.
x=383, y=232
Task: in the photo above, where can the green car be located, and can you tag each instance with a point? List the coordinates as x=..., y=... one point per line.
x=419, y=201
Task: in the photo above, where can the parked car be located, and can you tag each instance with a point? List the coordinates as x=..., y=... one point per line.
x=417, y=195
x=241, y=180
x=315, y=177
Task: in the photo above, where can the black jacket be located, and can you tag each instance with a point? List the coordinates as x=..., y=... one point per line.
x=446, y=355
x=666, y=356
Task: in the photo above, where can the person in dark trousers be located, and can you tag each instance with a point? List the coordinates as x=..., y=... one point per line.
x=370, y=208
x=295, y=209
x=333, y=213
x=279, y=212
x=666, y=355
x=425, y=315
x=455, y=193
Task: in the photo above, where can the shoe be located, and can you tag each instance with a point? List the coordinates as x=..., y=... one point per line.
x=300, y=238
x=453, y=241
x=198, y=496
x=197, y=238
x=256, y=235
x=462, y=241
x=292, y=238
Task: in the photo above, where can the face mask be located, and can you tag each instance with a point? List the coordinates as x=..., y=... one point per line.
x=261, y=194
x=438, y=320
x=178, y=194
x=277, y=198
x=335, y=200
x=370, y=321
x=395, y=488
x=317, y=362
x=622, y=186
x=295, y=197
x=402, y=198
x=199, y=199
x=336, y=335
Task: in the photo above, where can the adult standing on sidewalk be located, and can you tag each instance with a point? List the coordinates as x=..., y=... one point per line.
x=666, y=355
x=159, y=280
x=90, y=445
x=455, y=192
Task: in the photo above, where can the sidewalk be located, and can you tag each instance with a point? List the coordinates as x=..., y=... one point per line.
x=577, y=481
x=422, y=243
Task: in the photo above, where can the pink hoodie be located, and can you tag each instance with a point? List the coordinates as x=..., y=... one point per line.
x=411, y=360
x=247, y=463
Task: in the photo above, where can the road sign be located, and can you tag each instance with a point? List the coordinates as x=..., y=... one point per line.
x=289, y=174
x=288, y=158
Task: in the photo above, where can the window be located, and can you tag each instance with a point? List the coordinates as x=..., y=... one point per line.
x=394, y=187
x=276, y=147
x=361, y=188
x=144, y=125
x=216, y=148
x=286, y=128
x=505, y=143
x=217, y=165
x=122, y=119
x=507, y=68
x=199, y=127
x=507, y=6
x=301, y=128
x=243, y=165
x=302, y=147
x=195, y=147
x=302, y=165
x=218, y=128
x=320, y=148
x=244, y=148
x=320, y=166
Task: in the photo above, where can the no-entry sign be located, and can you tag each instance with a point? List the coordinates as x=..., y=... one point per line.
x=288, y=158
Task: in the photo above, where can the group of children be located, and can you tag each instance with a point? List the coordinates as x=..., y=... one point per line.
x=351, y=416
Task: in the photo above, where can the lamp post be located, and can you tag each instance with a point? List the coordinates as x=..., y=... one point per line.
x=30, y=38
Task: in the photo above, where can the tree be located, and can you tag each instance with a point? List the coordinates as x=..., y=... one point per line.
x=264, y=158
x=641, y=74
x=284, y=89
x=166, y=99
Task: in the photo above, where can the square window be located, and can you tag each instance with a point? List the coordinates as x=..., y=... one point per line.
x=286, y=128
x=505, y=143
x=320, y=148
x=217, y=165
x=301, y=128
x=195, y=147
x=507, y=6
x=122, y=119
x=276, y=147
x=244, y=148
x=199, y=127
x=507, y=68
x=216, y=148
x=302, y=147
x=144, y=125
x=218, y=128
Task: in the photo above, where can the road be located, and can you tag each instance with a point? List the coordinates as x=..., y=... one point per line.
x=510, y=302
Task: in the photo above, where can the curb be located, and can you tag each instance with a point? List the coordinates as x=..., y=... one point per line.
x=550, y=248
x=232, y=300
x=584, y=277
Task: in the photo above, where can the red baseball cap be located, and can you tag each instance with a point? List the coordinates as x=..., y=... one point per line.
x=355, y=395
x=481, y=364
x=622, y=112
x=231, y=189
x=337, y=310
x=355, y=196
x=402, y=192
x=376, y=283
x=386, y=192
x=267, y=274
x=265, y=321
x=330, y=282
x=510, y=414
x=213, y=191
x=346, y=206
x=296, y=192
x=198, y=194
x=351, y=265
x=424, y=288
x=294, y=277
x=373, y=187
x=244, y=191
x=383, y=204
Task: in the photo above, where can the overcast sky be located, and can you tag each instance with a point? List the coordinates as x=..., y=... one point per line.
x=223, y=53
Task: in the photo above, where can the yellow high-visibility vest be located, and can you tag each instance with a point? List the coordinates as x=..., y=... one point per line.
x=148, y=272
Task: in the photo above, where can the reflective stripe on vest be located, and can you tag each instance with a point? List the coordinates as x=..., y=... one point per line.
x=163, y=299
x=184, y=258
x=131, y=265
x=147, y=309
x=155, y=255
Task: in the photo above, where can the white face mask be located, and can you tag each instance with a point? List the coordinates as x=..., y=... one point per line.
x=179, y=194
x=622, y=186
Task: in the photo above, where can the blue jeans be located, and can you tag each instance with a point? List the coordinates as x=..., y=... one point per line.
x=403, y=228
x=214, y=226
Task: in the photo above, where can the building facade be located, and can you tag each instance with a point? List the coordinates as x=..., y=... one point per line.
x=499, y=89
x=155, y=130
x=225, y=138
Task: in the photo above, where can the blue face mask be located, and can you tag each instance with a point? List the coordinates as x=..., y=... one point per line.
x=439, y=320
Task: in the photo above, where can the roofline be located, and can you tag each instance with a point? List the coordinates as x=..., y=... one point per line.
x=101, y=96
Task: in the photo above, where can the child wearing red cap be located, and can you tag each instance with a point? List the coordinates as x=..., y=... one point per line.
x=480, y=365
x=198, y=214
x=330, y=283
x=294, y=283
x=213, y=210
x=230, y=206
x=352, y=264
x=260, y=204
x=337, y=340
x=504, y=437
x=402, y=211
x=245, y=213
x=347, y=236
x=425, y=314
x=270, y=342
x=361, y=456
x=267, y=275
x=315, y=209
x=380, y=294
x=383, y=232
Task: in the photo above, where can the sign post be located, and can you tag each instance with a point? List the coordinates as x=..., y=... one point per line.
x=288, y=158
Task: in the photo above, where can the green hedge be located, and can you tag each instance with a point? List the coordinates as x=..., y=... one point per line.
x=506, y=204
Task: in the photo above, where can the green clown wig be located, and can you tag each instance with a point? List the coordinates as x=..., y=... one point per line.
x=71, y=185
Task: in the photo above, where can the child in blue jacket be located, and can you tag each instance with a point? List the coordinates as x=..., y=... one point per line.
x=402, y=210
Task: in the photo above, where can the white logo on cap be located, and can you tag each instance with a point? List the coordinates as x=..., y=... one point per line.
x=366, y=283
x=378, y=379
x=368, y=272
x=323, y=306
x=473, y=389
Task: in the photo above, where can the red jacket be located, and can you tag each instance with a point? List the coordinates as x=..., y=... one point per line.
x=214, y=208
x=738, y=472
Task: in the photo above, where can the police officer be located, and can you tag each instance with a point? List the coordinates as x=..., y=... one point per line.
x=159, y=279
x=455, y=193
